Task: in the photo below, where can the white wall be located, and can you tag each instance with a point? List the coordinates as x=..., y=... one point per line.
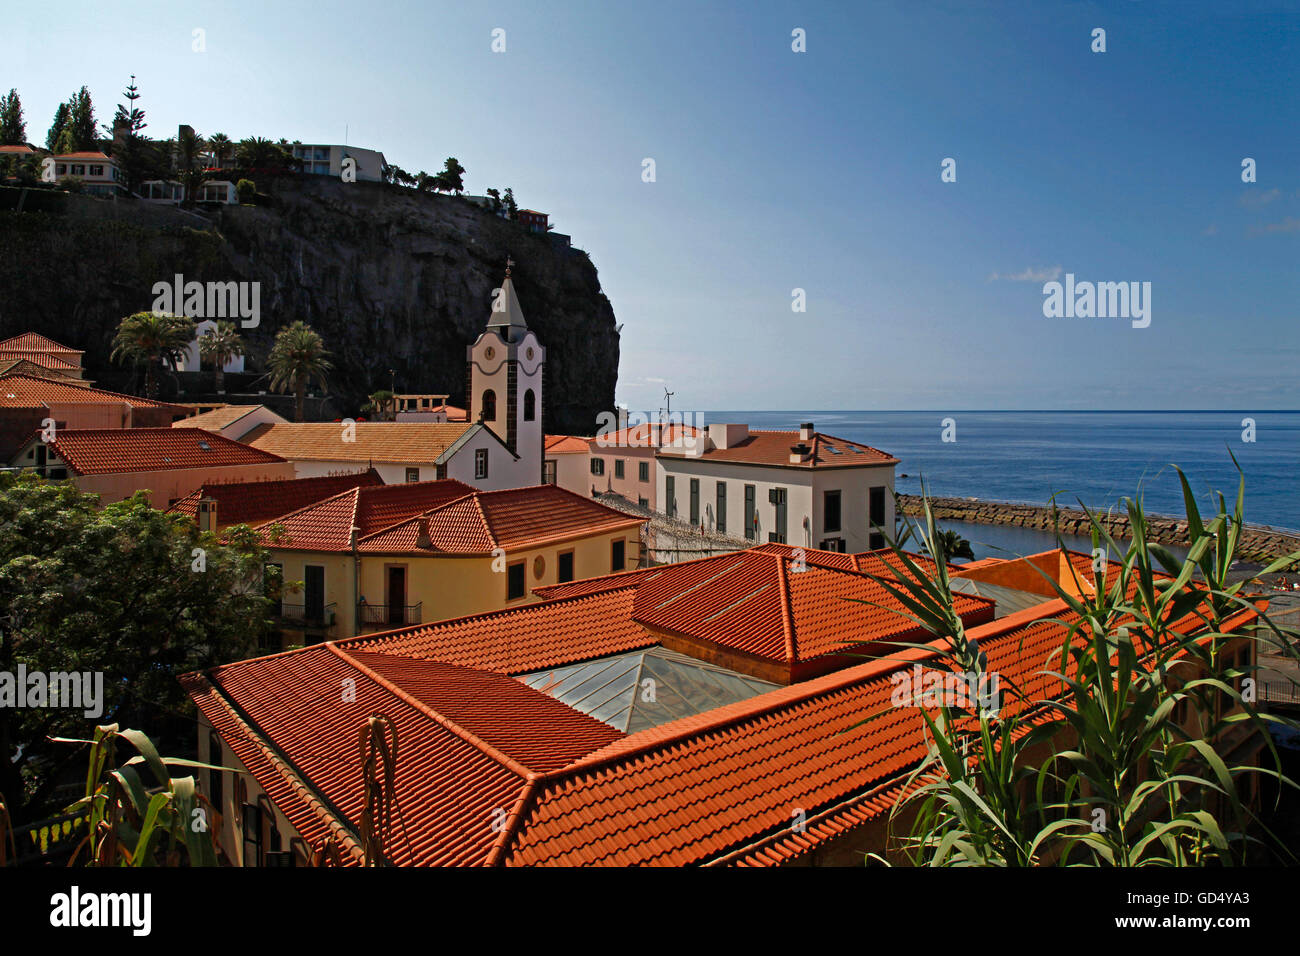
x=804, y=497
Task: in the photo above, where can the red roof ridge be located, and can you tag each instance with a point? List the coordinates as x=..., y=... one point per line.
x=473, y=739
x=317, y=504
x=787, y=615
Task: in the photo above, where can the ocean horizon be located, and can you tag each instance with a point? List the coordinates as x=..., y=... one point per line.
x=1093, y=457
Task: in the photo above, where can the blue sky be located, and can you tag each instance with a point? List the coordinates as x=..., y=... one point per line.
x=778, y=170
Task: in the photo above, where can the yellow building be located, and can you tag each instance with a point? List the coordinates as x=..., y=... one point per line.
x=380, y=557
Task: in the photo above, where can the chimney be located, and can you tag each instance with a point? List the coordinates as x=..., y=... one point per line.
x=800, y=453
x=806, y=431
x=207, y=514
x=422, y=539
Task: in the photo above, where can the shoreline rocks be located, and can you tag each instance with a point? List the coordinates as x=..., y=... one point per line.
x=1257, y=543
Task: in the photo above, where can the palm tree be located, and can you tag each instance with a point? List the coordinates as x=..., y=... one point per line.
x=297, y=357
x=151, y=338
x=188, y=147
x=219, y=144
x=954, y=545
x=221, y=345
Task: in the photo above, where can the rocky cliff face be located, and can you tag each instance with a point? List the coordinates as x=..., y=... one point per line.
x=391, y=280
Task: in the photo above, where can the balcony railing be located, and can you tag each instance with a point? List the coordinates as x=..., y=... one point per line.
x=302, y=615
x=389, y=615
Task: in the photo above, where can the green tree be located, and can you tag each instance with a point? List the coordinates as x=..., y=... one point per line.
x=255, y=152
x=189, y=168
x=134, y=155
x=81, y=121
x=246, y=189
x=495, y=195
x=452, y=177
x=62, y=116
x=119, y=591
x=220, y=346
x=221, y=147
x=512, y=208
x=13, y=129
x=150, y=339
x=297, y=357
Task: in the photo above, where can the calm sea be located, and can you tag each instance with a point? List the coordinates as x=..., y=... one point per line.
x=1093, y=457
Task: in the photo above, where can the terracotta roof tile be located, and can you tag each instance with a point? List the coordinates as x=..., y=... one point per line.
x=773, y=448
x=512, y=519
x=100, y=451
x=565, y=445
x=391, y=442
x=30, y=391
x=256, y=502
x=468, y=743
x=522, y=639
x=218, y=418
x=327, y=524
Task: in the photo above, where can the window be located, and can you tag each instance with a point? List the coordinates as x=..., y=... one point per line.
x=489, y=413
x=251, y=823
x=549, y=472
x=832, y=544
x=877, y=505
x=515, y=581
x=616, y=555
x=643, y=471
x=440, y=472
x=751, y=514
x=877, y=542
x=670, y=496
x=597, y=465
x=78, y=169
x=831, y=511
x=777, y=497
x=480, y=463
x=564, y=567
x=643, y=502
x=720, y=508
x=618, y=467
x=96, y=170
x=530, y=406
x=695, y=501
x=314, y=594
x=413, y=474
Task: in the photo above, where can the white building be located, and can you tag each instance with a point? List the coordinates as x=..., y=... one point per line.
x=191, y=358
x=327, y=160
x=505, y=375
x=165, y=192
x=232, y=421
x=98, y=173
x=219, y=191
x=798, y=487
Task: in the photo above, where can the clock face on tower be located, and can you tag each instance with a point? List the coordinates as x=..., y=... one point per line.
x=530, y=353
x=489, y=352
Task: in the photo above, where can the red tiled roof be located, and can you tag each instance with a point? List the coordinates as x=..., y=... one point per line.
x=725, y=785
x=218, y=418
x=35, y=342
x=645, y=435
x=469, y=743
x=327, y=525
x=393, y=442
x=528, y=638
x=86, y=154
x=255, y=502
x=773, y=448
x=31, y=391
x=566, y=444
x=511, y=519
x=102, y=451
x=719, y=787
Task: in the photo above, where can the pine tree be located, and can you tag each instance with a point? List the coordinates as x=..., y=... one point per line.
x=13, y=130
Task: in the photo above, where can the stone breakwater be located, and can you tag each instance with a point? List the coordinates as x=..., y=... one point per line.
x=1257, y=543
